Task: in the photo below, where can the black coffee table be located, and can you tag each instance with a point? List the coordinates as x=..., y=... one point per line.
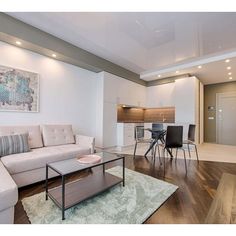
x=68, y=195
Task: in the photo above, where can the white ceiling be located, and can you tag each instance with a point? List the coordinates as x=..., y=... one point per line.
x=144, y=42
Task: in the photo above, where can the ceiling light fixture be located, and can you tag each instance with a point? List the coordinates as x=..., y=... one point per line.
x=159, y=76
x=18, y=42
x=54, y=55
x=199, y=67
x=228, y=68
x=230, y=78
x=230, y=73
x=227, y=61
x=177, y=72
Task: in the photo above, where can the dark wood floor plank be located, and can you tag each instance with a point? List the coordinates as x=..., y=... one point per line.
x=189, y=204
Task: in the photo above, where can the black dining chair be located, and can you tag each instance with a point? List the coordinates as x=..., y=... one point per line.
x=174, y=140
x=191, y=140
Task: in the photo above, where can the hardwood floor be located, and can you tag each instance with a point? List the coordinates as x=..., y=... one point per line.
x=223, y=207
x=189, y=204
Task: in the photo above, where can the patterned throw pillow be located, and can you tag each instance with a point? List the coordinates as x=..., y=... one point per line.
x=13, y=144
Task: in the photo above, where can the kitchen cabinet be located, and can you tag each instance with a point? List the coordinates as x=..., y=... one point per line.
x=161, y=96
x=125, y=134
x=111, y=91
x=121, y=91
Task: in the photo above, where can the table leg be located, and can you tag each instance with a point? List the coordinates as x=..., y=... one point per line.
x=150, y=148
x=123, y=171
x=103, y=168
x=46, y=183
x=168, y=150
x=63, y=197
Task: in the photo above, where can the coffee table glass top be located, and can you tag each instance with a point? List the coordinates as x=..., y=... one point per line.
x=72, y=165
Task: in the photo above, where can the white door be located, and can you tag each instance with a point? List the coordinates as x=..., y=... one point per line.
x=226, y=118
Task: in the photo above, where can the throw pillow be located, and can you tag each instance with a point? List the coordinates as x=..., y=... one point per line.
x=13, y=144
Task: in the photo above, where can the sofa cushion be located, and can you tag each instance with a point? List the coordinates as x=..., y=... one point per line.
x=13, y=144
x=39, y=157
x=8, y=189
x=35, y=138
x=57, y=135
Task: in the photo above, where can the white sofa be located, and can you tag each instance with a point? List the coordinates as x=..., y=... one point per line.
x=48, y=143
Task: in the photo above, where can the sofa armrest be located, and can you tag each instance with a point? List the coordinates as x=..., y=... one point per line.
x=85, y=141
x=8, y=196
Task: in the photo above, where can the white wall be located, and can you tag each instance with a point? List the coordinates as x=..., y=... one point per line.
x=67, y=92
x=201, y=110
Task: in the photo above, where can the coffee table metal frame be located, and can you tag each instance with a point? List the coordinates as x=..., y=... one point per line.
x=63, y=184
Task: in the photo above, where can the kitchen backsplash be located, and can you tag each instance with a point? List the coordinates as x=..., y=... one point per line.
x=132, y=115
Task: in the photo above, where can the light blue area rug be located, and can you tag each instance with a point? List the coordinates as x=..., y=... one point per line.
x=132, y=204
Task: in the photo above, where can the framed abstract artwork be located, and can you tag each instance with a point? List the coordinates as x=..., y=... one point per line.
x=19, y=90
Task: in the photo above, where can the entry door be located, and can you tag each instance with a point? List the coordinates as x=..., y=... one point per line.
x=226, y=118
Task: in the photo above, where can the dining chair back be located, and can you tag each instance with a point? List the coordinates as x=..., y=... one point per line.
x=139, y=132
x=156, y=127
x=174, y=137
x=191, y=140
x=191, y=133
x=139, y=137
x=174, y=140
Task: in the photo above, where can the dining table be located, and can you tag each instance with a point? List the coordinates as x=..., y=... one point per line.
x=159, y=135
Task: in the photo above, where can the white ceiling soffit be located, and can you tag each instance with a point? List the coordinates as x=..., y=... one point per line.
x=222, y=69
x=166, y=71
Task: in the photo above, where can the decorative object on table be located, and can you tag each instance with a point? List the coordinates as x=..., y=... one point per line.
x=89, y=159
x=132, y=204
x=19, y=90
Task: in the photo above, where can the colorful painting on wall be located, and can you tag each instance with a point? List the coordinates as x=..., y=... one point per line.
x=19, y=90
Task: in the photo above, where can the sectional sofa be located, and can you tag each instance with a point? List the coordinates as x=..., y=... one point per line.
x=48, y=143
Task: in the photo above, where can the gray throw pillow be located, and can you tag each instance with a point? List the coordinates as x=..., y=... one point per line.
x=13, y=144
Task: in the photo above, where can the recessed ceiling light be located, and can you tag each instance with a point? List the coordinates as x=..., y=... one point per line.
x=177, y=72
x=199, y=67
x=227, y=60
x=230, y=78
x=230, y=73
x=54, y=55
x=228, y=68
x=18, y=42
x=159, y=76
